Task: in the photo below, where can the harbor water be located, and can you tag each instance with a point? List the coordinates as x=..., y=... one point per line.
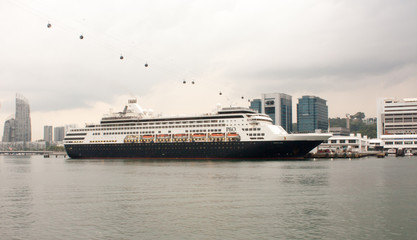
x=59, y=198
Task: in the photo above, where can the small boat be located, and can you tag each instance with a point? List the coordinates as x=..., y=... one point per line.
x=392, y=152
x=408, y=152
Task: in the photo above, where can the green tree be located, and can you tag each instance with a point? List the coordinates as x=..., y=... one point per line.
x=359, y=115
x=337, y=122
x=356, y=125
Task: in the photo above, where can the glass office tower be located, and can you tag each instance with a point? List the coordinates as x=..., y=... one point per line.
x=256, y=105
x=312, y=114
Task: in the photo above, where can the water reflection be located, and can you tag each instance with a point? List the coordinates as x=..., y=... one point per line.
x=101, y=199
x=16, y=211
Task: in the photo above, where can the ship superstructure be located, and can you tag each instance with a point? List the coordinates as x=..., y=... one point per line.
x=231, y=133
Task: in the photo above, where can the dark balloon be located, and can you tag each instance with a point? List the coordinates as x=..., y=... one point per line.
x=184, y=82
x=146, y=64
x=192, y=82
x=121, y=57
x=220, y=93
x=81, y=36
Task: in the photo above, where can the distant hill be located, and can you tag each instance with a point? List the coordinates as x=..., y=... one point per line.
x=358, y=124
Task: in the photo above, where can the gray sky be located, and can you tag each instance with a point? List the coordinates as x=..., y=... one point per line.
x=347, y=52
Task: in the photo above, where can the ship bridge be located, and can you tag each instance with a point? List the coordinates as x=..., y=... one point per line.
x=235, y=110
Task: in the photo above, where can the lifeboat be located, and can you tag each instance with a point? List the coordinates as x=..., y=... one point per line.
x=181, y=135
x=131, y=138
x=217, y=135
x=232, y=135
x=199, y=135
x=163, y=136
x=145, y=137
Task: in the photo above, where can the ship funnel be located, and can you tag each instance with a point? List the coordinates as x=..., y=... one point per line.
x=133, y=107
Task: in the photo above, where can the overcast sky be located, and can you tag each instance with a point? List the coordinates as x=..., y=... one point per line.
x=347, y=52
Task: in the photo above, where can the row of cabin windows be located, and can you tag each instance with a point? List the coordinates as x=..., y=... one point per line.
x=152, y=132
x=342, y=141
x=151, y=127
x=118, y=133
x=251, y=129
x=401, y=143
x=400, y=115
x=255, y=134
x=172, y=122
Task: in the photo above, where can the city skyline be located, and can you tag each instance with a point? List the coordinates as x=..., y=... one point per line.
x=348, y=52
x=19, y=128
x=67, y=125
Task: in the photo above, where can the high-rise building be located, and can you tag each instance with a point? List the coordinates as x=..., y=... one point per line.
x=256, y=105
x=276, y=105
x=9, y=130
x=59, y=134
x=312, y=114
x=22, y=120
x=279, y=107
x=47, y=133
x=396, y=116
x=397, y=123
x=19, y=128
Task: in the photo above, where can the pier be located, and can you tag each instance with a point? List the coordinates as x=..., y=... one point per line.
x=46, y=154
x=345, y=154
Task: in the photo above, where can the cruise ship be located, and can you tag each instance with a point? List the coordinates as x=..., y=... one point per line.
x=230, y=133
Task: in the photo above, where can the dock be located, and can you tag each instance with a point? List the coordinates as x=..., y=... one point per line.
x=345, y=154
x=46, y=154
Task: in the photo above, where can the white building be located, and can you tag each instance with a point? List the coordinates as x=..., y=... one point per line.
x=279, y=107
x=408, y=141
x=397, y=117
x=352, y=143
x=397, y=123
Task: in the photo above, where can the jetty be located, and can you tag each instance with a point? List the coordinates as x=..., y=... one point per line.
x=46, y=154
x=325, y=154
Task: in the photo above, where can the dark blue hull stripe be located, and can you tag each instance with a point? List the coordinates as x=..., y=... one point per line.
x=194, y=150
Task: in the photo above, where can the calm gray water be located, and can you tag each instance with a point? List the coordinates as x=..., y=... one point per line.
x=58, y=198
